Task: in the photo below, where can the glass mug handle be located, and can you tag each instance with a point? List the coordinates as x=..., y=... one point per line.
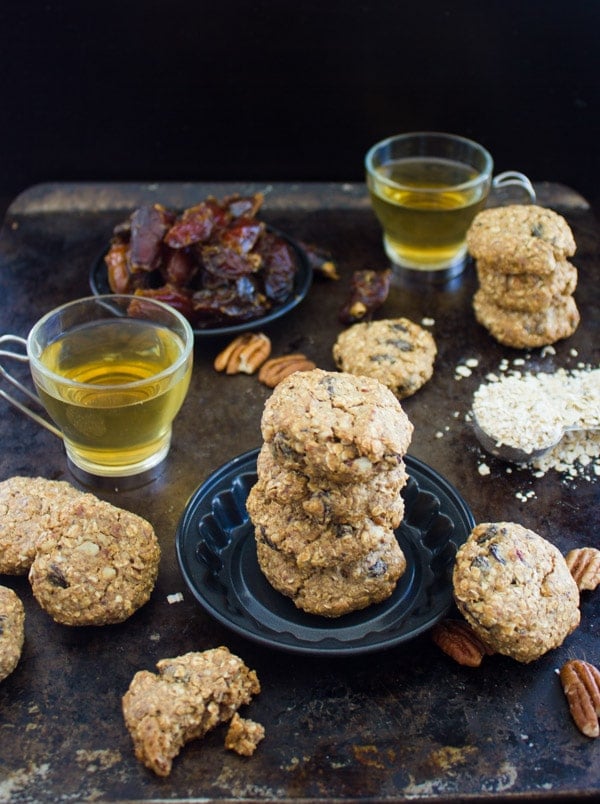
x=22, y=358
x=512, y=178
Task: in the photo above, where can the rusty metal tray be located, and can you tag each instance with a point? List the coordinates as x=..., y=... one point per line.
x=397, y=724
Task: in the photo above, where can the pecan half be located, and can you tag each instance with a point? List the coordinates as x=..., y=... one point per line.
x=584, y=564
x=458, y=640
x=244, y=355
x=581, y=684
x=278, y=368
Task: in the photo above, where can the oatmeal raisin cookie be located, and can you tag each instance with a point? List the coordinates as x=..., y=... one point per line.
x=521, y=238
x=96, y=565
x=345, y=427
x=397, y=352
x=29, y=507
x=527, y=330
x=515, y=589
x=12, y=630
x=189, y=695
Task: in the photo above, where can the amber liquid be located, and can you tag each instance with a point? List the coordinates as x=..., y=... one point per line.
x=119, y=422
x=425, y=221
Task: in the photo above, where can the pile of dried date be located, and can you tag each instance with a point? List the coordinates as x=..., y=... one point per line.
x=215, y=262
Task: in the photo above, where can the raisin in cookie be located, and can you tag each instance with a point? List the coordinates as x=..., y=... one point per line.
x=378, y=498
x=397, y=352
x=96, y=565
x=527, y=330
x=528, y=293
x=330, y=423
x=12, y=630
x=521, y=238
x=336, y=589
x=28, y=509
x=515, y=589
x=189, y=695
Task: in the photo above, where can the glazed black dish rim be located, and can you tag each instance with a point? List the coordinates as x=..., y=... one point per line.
x=216, y=553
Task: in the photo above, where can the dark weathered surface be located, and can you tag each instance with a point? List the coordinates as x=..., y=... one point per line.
x=404, y=723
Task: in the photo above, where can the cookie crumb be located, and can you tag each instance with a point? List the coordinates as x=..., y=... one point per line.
x=243, y=735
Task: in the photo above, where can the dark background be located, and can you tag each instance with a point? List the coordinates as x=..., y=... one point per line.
x=278, y=90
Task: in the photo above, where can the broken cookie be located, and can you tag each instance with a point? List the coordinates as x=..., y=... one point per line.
x=190, y=695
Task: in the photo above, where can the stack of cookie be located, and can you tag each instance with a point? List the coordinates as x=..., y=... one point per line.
x=327, y=498
x=525, y=279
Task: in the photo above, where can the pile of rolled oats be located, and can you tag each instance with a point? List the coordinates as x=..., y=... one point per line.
x=528, y=410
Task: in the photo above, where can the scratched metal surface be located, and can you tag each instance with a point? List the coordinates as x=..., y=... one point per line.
x=405, y=723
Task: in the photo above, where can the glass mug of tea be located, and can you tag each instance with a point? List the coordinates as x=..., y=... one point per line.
x=425, y=189
x=112, y=372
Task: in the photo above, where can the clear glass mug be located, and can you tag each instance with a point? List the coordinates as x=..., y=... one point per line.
x=112, y=373
x=425, y=190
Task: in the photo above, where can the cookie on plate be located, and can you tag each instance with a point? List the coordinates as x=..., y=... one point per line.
x=397, y=352
x=96, y=565
x=378, y=498
x=289, y=529
x=528, y=293
x=28, y=508
x=12, y=630
x=515, y=590
x=345, y=427
x=189, y=695
x=335, y=589
x=521, y=238
x=527, y=330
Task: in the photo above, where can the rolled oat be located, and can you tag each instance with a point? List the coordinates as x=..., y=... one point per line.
x=529, y=411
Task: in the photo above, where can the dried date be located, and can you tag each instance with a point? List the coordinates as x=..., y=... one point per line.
x=368, y=291
x=215, y=262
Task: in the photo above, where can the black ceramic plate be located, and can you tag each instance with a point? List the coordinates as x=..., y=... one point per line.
x=217, y=557
x=302, y=282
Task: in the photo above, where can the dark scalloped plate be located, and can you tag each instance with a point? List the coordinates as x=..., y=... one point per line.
x=217, y=556
x=302, y=283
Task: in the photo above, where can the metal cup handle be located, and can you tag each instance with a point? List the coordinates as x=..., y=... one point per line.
x=512, y=178
x=22, y=358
